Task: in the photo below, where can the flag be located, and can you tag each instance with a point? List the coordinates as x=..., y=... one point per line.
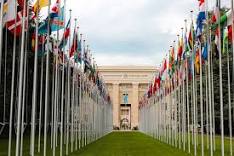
x=191, y=37
x=78, y=53
x=201, y=17
x=9, y=10
x=197, y=61
x=164, y=67
x=180, y=49
x=16, y=25
x=74, y=44
x=171, y=61
x=205, y=52
x=57, y=21
x=65, y=35
x=230, y=33
x=40, y=4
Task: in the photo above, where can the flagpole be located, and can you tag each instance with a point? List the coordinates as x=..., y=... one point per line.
x=34, y=95
x=229, y=102
x=187, y=92
x=41, y=97
x=201, y=100
x=12, y=85
x=19, y=105
x=68, y=91
x=72, y=102
x=80, y=78
x=47, y=81
x=1, y=37
x=220, y=83
x=62, y=89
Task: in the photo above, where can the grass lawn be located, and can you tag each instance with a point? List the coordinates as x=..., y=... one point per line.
x=120, y=144
x=128, y=144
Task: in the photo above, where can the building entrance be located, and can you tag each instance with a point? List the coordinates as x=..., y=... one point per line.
x=125, y=117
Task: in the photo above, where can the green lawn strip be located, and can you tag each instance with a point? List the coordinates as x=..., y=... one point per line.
x=128, y=144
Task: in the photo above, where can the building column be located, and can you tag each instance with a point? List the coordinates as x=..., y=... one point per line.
x=134, y=105
x=116, y=105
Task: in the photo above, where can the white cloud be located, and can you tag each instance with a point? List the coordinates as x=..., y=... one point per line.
x=131, y=32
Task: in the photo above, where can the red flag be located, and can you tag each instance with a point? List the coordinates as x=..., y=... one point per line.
x=230, y=33
x=11, y=25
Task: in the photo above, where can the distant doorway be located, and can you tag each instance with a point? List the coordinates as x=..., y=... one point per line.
x=125, y=117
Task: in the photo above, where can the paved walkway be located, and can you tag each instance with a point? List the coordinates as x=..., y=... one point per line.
x=128, y=144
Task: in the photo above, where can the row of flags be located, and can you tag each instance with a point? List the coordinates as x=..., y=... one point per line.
x=54, y=22
x=185, y=55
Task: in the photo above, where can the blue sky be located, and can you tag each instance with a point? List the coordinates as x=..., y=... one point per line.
x=131, y=32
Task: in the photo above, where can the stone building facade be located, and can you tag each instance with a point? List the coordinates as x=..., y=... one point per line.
x=126, y=85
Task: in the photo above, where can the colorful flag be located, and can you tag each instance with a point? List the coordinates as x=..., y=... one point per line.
x=65, y=35
x=197, y=61
x=9, y=10
x=78, y=53
x=57, y=22
x=191, y=37
x=74, y=44
x=205, y=52
x=201, y=17
x=40, y=4
x=180, y=49
x=16, y=25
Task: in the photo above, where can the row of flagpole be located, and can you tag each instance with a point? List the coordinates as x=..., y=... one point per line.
x=180, y=107
x=55, y=81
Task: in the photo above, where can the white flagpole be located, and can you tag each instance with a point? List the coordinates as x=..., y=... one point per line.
x=1, y=36
x=68, y=92
x=47, y=81
x=201, y=100
x=62, y=88
x=40, y=111
x=187, y=96
x=210, y=94
x=72, y=101
x=12, y=86
x=19, y=105
x=221, y=84
x=229, y=102
x=34, y=95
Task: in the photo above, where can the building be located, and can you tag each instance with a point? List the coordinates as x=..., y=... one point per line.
x=126, y=85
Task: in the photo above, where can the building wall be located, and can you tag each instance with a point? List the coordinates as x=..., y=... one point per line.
x=132, y=80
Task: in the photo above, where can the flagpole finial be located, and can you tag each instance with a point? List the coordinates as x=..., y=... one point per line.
x=75, y=19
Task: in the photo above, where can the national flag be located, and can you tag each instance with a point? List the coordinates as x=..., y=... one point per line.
x=197, y=61
x=9, y=10
x=78, y=53
x=191, y=37
x=164, y=67
x=40, y=4
x=201, y=17
x=65, y=35
x=74, y=44
x=16, y=25
x=171, y=61
x=57, y=22
x=205, y=52
x=180, y=49
x=230, y=38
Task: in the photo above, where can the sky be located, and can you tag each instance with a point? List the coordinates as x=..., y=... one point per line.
x=131, y=32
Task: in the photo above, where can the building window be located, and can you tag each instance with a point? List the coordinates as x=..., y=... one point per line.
x=125, y=98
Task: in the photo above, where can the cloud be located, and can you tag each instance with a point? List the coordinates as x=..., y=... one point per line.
x=130, y=32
